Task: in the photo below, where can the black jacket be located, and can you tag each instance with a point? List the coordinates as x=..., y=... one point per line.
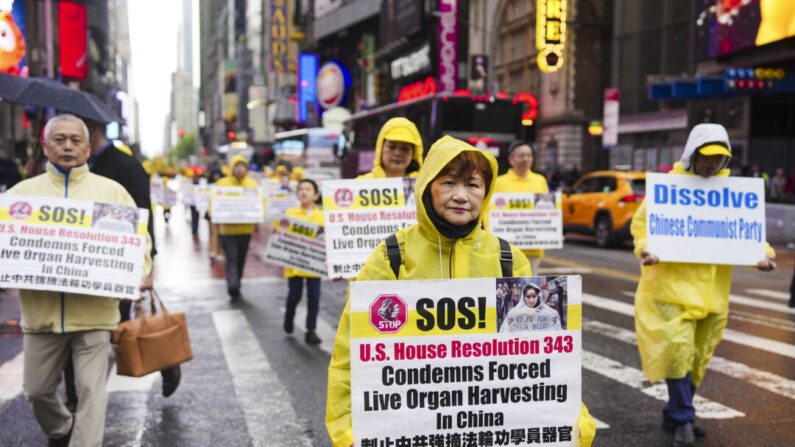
x=127, y=171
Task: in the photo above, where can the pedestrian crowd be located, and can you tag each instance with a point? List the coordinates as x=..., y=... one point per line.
x=681, y=309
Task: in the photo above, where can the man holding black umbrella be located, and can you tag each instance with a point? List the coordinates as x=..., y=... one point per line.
x=108, y=161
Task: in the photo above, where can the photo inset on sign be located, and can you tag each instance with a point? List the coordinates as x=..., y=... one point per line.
x=531, y=304
x=115, y=218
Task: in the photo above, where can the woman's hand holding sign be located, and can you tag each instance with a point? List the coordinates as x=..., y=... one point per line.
x=647, y=258
x=768, y=264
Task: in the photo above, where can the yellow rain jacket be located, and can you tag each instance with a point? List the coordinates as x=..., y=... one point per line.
x=246, y=182
x=680, y=309
x=431, y=256
x=398, y=129
x=297, y=174
x=45, y=311
x=532, y=182
x=316, y=217
x=277, y=174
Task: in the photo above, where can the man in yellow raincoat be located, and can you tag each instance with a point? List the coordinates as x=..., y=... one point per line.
x=449, y=241
x=234, y=238
x=521, y=178
x=682, y=308
x=398, y=150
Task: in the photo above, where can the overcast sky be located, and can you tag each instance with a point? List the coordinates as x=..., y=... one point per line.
x=153, y=39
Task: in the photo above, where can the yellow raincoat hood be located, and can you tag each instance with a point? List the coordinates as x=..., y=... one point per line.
x=235, y=160
x=398, y=129
x=441, y=153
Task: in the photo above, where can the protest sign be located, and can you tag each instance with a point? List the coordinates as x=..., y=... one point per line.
x=201, y=197
x=298, y=244
x=715, y=220
x=69, y=245
x=156, y=189
x=235, y=204
x=278, y=198
x=186, y=188
x=431, y=360
x=528, y=221
x=359, y=214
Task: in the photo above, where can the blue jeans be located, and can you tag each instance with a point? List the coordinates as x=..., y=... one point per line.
x=295, y=286
x=679, y=408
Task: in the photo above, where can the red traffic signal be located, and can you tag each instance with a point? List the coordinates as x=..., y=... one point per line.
x=181, y=132
x=231, y=134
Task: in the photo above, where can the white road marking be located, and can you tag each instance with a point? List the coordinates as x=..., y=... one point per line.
x=750, y=317
x=762, y=379
x=760, y=304
x=135, y=405
x=181, y=283
x=784, y=296
x=270, y=418
x=11, y=377
x=753, y=341
x=632, y=377
x=600, y=425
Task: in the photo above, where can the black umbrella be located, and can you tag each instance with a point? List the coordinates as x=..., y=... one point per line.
x=45, y=92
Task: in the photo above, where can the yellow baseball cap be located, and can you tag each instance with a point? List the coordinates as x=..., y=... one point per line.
x=714, y=149
x=399, y=133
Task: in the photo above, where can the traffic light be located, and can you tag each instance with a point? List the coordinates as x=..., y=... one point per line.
x=231, y=134
x=181, y=132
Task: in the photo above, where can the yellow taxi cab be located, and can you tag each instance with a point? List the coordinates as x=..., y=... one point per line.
x=602, y=203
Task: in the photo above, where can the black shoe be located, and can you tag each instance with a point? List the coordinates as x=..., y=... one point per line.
x=699, y=430
x=171, y=378
x=63, y=441
x=234, y=295
x=684, y=436
x=288, y=326
x=311, y=338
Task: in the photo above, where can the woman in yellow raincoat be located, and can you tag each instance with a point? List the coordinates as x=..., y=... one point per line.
x=234, y=238
x=521, y=178
x=448, y=242
x=682, y=308
x=398, y=150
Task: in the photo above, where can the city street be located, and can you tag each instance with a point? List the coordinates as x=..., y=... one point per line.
x=250, y=384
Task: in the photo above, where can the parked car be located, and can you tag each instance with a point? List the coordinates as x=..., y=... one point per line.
x=602, y=203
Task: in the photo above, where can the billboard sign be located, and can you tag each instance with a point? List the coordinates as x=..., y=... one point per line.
x=448, y=45
x=307, y=79
x=736, y=25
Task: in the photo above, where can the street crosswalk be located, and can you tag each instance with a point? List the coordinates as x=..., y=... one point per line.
x=271, y=419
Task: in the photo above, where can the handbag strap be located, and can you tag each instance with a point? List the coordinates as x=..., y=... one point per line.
x=153, y=297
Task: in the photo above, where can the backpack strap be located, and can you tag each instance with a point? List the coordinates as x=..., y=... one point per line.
x=506, y=258
x=394, y=254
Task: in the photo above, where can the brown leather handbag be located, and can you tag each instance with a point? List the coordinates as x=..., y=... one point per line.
x=151, y=343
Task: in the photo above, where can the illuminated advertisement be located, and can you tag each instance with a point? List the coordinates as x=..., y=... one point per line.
x=333, y=81
x=307, y=77
x=550, y=33
x=448, y=44
x=726, y=26
x=73, y=40
x=278, y=21
x=12, y=39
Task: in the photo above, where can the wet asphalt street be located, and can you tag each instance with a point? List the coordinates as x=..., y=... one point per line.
x=251, y=384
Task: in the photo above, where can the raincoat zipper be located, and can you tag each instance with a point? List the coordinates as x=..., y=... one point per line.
x=450, y=263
